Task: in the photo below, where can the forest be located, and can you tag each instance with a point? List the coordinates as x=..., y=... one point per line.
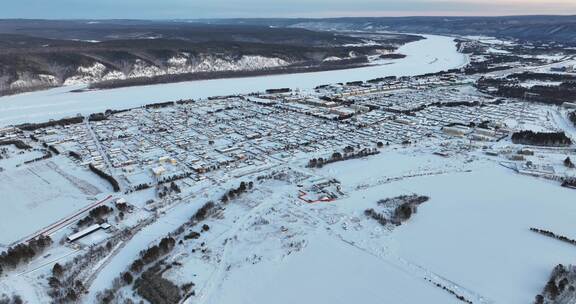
x=545, y=93
x=555, y=139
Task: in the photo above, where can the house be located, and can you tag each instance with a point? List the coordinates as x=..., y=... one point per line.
x=158, y=171
x=456, y=131
x=80, y=234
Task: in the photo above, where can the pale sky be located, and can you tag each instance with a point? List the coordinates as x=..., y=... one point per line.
x=183, y=9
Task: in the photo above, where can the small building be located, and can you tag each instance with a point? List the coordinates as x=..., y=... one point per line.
x=486, y=132
x=480, y=137
x=253, y=135
x=80, y=234
x=456, y=131
x=158, y=171
x=405, y=121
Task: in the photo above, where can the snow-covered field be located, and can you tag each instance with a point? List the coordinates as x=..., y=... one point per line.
x=434, y=54
x=472, y=237
x=36, y=196
x=475, y=229
x=328, y=271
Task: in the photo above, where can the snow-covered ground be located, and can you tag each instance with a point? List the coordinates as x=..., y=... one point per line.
x=475, y=231
x=472, y=237
x=433, y=54
x=37, y=196
x=327, y=271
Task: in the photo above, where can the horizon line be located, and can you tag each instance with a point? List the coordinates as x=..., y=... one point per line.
x=293, y=18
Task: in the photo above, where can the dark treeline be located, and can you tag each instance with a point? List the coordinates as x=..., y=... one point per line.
x=565, y=92
x=14, y=299
x=407, y=205
x=392, y=56
x=203, y=212
x=410, y=112
x=568, y=163
x=47, y=155
x=438, y=104
x=104, y=116
x=484, y=67
x=441, y=73
x=335, y=99
x=382, y=79
x=95, y=215
x=561, y=286
x=572, y=117
x=164, y=191
x=542, y=77
x=192, y=235
x=152, y=254
x=159, y=105
x=54, y=150
x=97, y=117
x=557, y=139
x=149, y=285
x=60, y=291
x=405, y=211
x=482, y=125
x=277, y=91
x=569, y=183
x=355, y=83
x=413, y=199
x=441, y=104
x=174, y=178
x=142, y=187
x=404, y=207
x=23, y=253
x=496, y=63
x=452, y=292
x=379, y=217
x=553, y=235
x=105, y=176
x=60, y=122
x=75, y=155
x=233, y=193
x=155, y=289
x=18, y=143
x=337, y=156
x=185, y=101
x=66, y=284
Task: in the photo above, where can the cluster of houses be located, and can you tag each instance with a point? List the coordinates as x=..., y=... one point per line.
x=8, y=133
x=153, y=144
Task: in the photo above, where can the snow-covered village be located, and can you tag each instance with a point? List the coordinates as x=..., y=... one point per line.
x=445, y=176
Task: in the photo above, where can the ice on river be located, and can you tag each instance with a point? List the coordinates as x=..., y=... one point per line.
x=433, y=54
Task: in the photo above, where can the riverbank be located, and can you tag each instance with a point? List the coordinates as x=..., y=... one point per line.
x=433, y=54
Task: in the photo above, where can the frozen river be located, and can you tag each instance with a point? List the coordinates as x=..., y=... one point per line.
x=433, y=54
